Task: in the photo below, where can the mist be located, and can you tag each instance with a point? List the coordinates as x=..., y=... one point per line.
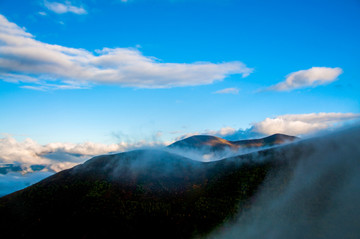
x=315, y=196
x=206, y=155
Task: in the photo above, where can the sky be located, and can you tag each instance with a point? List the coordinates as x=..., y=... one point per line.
x=91, y=77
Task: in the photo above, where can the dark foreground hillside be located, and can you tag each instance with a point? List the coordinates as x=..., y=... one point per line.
x=133, y=195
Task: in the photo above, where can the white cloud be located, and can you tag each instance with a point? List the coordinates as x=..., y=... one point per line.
x=223, y=132
x=308, y=78
x=27, y=152
x=56, y=156
x=234, y=91
x=24, y=59
x=61, y=8
x=11, y=29
x=45, y=87
x=291, y=124
x=300, y=124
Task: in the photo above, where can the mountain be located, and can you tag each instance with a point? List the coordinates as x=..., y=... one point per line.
x=156, y=193
x=271, y=140
x=212, y=143
x=203, y=142
x=134, y=195
x=139, y=194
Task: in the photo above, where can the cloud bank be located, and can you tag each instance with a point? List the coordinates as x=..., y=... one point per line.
x=47, y=66
x=55, y=156
x=23, y=163
x=300, y=124
x=308, y=78
x=290, y=124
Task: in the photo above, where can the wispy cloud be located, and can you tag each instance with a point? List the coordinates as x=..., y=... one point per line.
x=308, y=78
x=233, y=91
x=60, y=86
x=225, y=132
x=61, y=8
x=300, y=124
x=22, y=58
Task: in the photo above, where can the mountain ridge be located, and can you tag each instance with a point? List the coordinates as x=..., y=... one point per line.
x=214, y=143
x=111, y=192
x=162, y=193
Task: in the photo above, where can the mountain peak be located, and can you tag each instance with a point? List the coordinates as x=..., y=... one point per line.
x=213, y=143
x=203, y=142
x=279, y=138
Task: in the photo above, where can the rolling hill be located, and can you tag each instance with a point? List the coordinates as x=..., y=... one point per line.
x=139, y=194
x=212, y=143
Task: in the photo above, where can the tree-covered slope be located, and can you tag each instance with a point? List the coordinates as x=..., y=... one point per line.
x=133, y=195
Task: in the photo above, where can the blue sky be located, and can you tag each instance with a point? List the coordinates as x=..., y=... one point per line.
x=84, y=78
x=195, y=67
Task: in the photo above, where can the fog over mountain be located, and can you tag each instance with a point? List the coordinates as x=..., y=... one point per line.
x=179, y=119
x=20, y=158
x=304, y=189
x=316, y=196
x=207, y=148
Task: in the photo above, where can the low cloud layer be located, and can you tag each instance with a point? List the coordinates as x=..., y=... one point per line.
x=45, y=66
x=23, y=163
x=55, y=156
x=308, y=78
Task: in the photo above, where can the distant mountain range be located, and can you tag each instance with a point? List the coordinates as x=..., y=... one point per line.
x=213, y=143
x=201, y=143
x=143, y=193
x=9, y=167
